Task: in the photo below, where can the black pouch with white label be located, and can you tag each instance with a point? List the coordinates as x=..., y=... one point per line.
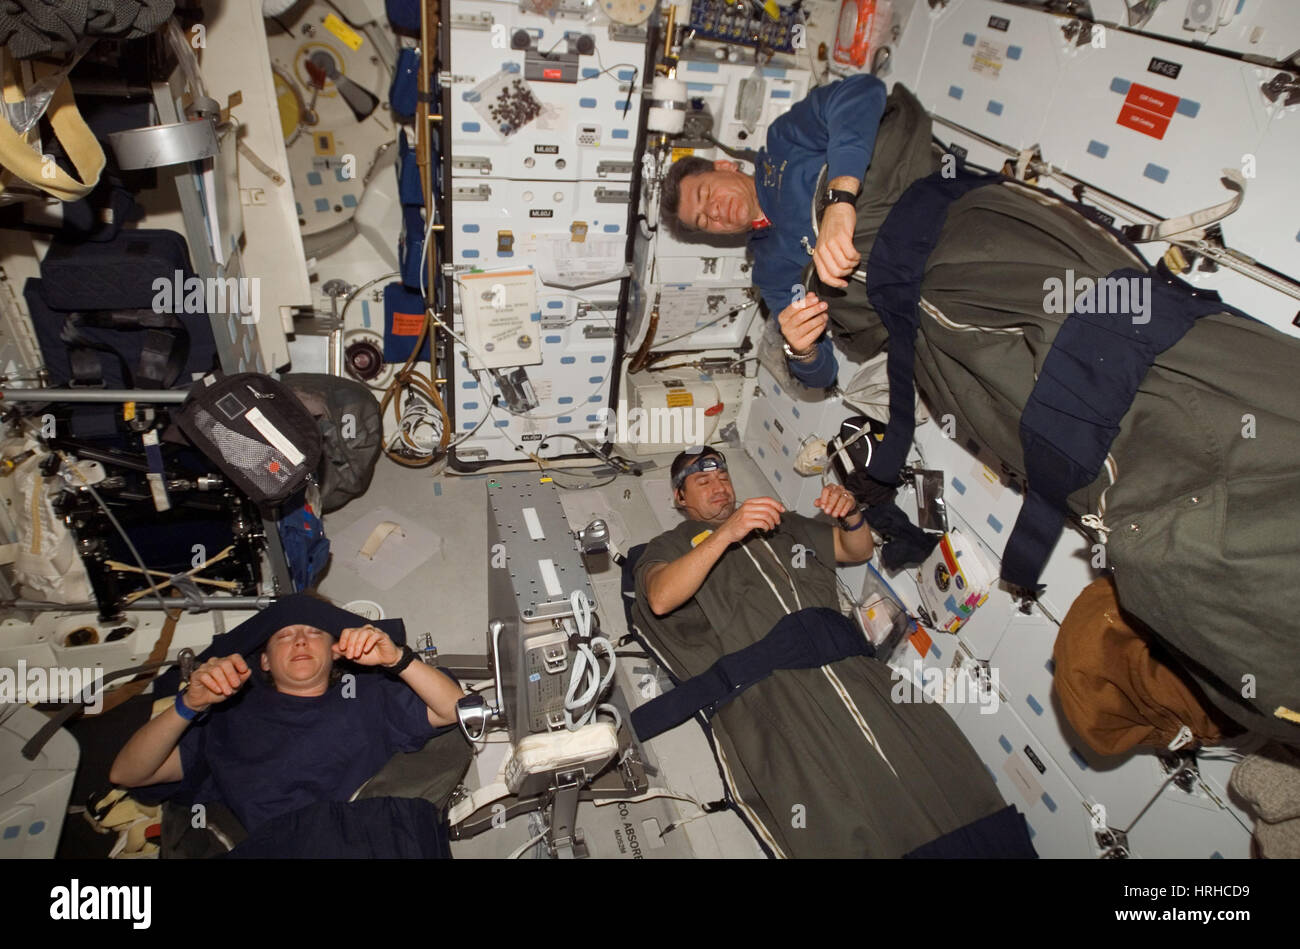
x=255, y=430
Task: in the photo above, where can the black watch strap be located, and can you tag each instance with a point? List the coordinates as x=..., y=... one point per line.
x=837, y=196
x=397, y=668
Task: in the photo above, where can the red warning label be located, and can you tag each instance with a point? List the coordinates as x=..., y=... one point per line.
x=1148, y=123
x=549, y=73
x=407, y=324
x=1147, y=110
x=1153, y=100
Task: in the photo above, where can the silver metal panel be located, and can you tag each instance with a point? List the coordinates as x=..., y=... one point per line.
x=508, y=497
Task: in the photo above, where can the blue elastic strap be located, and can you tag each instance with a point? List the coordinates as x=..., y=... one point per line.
x=895, y=270
x=1085, y=388
x=806, y=639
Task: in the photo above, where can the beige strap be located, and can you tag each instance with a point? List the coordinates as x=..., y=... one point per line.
x=159, y=652
x=132, y=597
x=18, y=158
x=378, y=536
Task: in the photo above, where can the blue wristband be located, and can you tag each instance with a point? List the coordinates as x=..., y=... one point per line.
x=184, y=711
x=861, y=524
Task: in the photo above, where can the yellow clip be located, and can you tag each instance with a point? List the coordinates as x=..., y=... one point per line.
x=1284, y=712
x=545, y=480
x=344, y=32
x=128, y=411
x=700, y=538
x=1175, y=260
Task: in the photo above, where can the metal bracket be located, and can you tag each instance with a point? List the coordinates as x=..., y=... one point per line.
x=472, y=163
x=564, y=834
x=1140, y=12
x=472, y=21
x=476, y=193
x=1282, y=86
x=1078, y=31
x=619, y=33
x=605, y=168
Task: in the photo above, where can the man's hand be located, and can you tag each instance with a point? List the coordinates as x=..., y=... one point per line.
x=803, y=322
x=836, y=501
x=215, y=681
x=366, y=646
x=756, y=514
x=835, y=256
x=853, y=544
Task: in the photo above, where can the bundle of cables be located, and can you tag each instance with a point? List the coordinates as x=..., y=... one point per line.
x=580, y=709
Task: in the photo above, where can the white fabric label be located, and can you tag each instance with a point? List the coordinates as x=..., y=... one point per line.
x=551, y=578
x=534, y=524
x=274, y=436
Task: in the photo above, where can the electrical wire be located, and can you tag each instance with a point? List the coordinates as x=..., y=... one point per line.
x=135, y=554
x=522, y=848
x=571, y=473
x=636, y=71
x=617, y=462
x=407, y=381
x=661, y=793
x=416, y=414
x=587, y=667
x=698, y=364
x=714, y=322
x=473, y=350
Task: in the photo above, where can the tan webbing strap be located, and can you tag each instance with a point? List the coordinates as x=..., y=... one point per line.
x=159, y=652
x=18, y=158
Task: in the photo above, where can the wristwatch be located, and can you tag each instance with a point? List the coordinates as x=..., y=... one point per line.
x=397, y=668
x=836, y=196
x=800, y=357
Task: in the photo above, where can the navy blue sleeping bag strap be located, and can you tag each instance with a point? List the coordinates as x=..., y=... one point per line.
x=1086, y=386
x=805, y=639
x=895, y=270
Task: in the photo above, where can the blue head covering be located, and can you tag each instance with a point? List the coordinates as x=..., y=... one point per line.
x=296, y=610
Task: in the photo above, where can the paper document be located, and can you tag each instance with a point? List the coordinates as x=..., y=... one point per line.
x=564, y=262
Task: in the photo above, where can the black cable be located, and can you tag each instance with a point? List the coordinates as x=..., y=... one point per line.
x=740, y=154
x=617, y=462
x=635, y=72
x=574, y=473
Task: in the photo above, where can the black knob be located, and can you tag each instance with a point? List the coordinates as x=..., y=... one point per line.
x=520, y=40
x=586, y=44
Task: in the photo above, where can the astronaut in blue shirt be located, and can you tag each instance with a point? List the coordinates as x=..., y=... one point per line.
x=835, y=125
x=273, y=746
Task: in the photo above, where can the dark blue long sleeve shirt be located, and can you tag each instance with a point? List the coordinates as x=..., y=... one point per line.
x=834, y=125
